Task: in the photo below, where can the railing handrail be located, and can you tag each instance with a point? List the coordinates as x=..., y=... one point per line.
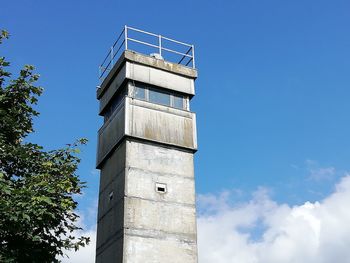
x=124, y=40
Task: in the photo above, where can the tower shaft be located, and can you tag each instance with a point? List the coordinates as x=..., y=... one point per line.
x=146, y=210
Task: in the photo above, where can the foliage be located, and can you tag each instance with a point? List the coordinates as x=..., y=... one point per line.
x=37, y=187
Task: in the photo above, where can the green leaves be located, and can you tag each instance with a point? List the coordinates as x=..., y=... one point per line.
x=4, y=35
x=37, y=208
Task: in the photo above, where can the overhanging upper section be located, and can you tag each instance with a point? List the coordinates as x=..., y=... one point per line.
x=138, y=67
x=137, y=61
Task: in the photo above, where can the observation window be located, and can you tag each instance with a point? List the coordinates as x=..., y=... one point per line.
x=114, y=103
x=159, y=97
x=155, y=95
x=178, y=101
x=140, y=93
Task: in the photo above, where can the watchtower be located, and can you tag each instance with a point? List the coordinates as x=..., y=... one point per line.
x=146, y=210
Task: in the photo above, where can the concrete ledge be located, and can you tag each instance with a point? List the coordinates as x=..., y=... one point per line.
x=156, y=234
x=147, y=61
x=161, y=64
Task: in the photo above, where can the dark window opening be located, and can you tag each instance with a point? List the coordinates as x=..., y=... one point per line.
x=114, y=103
x=161, y=188
x=140, y=92
x=159, y=96
x=179, y=101
x=110, y=196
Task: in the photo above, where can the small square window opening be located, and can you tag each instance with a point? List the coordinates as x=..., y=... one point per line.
x=161, y=188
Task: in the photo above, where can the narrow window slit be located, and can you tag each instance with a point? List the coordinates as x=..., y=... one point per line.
x=161, y=188
x=110, y=196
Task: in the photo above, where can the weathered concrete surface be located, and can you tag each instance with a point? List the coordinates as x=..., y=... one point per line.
x=148, y=121
x=138, y=67
x=160, y=123
x=164, y=223
x=116, y=84
x=181, y=191
x=113, y=165
x=110, y=228
x=141, y=146
x=160, y=78
x=147, y=225
x=111, y=133
x=110, y=218
x=140, y=249
x=159, y=216
x=161, y=64
x=113, y=252
x=148, y=61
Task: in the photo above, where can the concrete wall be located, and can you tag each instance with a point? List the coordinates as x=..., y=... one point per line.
x=161, y=123
x=138, y=222
x=166, y=250
x=111, y=133
x=148, y=121
x=140, y=146
x=160, y=227
x=115, y=85
x=110, y=219
x=159, y=78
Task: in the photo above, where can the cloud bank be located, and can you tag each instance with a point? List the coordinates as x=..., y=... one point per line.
x=263, y=231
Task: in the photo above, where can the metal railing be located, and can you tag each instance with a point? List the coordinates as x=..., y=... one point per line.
x=163, y=47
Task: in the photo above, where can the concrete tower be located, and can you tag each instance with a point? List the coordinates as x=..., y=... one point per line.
x=146, y=211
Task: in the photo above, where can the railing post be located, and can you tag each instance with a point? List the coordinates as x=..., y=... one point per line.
x=160, y=44
x=193, y=62
x=112, y=56
x=126, y=37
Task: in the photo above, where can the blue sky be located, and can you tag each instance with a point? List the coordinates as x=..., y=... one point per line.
x=272, y=97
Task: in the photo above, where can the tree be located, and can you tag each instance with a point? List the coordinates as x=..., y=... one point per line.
x=37, y=187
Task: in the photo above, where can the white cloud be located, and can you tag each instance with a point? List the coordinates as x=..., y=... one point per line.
x=263, y=231
x=317, y=173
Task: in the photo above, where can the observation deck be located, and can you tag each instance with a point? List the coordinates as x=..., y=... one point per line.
x=150, y=44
